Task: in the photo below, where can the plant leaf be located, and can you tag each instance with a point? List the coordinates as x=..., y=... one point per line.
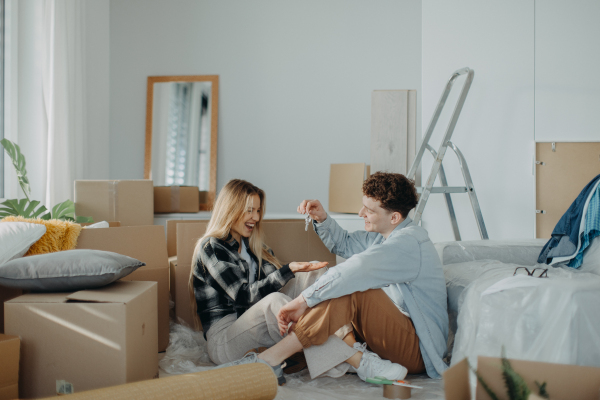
x=64, y=211
x=83, y=220
x=23, y=208
x=515, y=385
x=542, y=390
x=18, y=160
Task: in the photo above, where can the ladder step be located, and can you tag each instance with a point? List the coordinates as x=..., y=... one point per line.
x=445, y=189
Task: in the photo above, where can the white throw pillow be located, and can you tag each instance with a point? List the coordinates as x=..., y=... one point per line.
x=17, y=237
x=591, y=257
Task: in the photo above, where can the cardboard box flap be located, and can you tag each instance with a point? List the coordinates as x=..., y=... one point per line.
x=117, y=292
x=562, y=380
x=41, y=298
x=456, y=381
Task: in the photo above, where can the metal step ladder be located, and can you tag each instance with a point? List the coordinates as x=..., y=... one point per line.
x=438, y=169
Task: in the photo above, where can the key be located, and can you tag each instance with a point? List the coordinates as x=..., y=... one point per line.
x=307, y=221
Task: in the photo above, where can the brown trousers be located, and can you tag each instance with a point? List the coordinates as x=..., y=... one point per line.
x=376, y=321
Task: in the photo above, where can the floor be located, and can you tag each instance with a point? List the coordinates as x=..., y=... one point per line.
x=187, y=353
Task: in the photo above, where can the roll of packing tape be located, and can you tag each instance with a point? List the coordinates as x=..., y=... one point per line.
x=396, y=392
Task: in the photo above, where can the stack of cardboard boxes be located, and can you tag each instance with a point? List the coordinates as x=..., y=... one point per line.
x=100, y=337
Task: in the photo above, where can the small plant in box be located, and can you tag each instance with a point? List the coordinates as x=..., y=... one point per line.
x=27, y=208
x=516, y=388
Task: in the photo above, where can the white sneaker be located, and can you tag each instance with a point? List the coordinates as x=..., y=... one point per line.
x=371, y=365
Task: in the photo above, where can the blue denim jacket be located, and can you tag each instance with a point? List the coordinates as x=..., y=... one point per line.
x=565, y=235
x=407, y=267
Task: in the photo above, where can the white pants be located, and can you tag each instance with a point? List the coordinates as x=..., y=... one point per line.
x=231, y=337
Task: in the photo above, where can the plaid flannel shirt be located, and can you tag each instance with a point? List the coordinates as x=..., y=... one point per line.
x=221, y=280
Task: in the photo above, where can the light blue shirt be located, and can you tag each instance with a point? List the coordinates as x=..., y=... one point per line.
x=407, y=267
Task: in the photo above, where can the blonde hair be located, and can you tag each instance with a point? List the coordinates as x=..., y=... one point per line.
x=233, y=201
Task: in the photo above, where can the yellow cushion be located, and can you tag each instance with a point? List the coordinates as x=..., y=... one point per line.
x=59, y=236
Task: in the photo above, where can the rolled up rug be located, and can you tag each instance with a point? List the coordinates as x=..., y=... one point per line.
x=248, y=382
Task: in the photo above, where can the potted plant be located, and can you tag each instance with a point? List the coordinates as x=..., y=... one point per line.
x=26, y=207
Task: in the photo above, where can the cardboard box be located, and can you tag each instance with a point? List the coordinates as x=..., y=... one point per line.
x=187, y=236
x=9, y=367
x=563, y=382
x=129, y=201
x=172, y=233
x=147, y=244
x=173, y=199
x=91, y=338
x=5, y=295
x=345, y=187
x=288, y=239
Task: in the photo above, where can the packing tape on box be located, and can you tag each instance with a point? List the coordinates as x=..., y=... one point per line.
x=249, y=381
x=113, y=192
x=175, y=199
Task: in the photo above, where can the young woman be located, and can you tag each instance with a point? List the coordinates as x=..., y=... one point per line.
x=235, y=277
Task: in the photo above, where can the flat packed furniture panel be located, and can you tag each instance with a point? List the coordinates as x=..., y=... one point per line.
x=561, y=174
x=393, y=130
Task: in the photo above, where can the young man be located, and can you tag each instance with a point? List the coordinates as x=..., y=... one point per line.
x=391, y=289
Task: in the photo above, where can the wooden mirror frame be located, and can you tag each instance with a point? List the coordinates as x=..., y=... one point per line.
x=213, y=128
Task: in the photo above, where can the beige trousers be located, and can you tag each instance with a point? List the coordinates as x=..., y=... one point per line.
x=231, y=337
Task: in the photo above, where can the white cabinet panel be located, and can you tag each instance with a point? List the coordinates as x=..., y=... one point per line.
x=567, y=82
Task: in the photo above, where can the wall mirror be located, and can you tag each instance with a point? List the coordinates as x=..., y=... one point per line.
x=181, y=132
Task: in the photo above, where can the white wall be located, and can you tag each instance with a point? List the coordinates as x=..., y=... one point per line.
x=296, y=81
x=97, y=84
x=496, y=129
x=567, y=83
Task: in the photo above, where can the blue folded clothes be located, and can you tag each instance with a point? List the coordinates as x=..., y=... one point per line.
x=591, y=230
x=566, y=234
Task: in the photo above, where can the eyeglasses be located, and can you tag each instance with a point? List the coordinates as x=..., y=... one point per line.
x=536, y=272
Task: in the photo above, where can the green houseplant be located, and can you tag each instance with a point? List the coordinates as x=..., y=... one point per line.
x=26, y=207
x=516, y=388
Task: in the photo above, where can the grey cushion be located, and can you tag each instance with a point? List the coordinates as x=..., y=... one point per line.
x=66, y=271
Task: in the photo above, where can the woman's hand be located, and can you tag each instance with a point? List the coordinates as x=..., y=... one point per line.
x=306, y=266
x=314, y=208
x=291, y=312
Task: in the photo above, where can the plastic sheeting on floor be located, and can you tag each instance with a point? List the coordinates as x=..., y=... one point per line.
x=187, y=353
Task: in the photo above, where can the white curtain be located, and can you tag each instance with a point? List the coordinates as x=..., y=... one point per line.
x=63, y=86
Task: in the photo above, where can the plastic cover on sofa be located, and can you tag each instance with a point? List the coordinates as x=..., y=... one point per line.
x=524, y=252
x=552, y=319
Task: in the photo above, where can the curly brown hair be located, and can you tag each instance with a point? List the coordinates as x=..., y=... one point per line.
x=396, y=192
